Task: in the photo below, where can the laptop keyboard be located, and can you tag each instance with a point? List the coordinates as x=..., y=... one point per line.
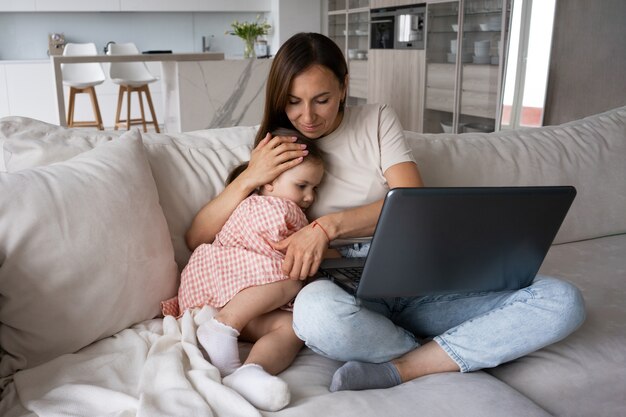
x=354, y=273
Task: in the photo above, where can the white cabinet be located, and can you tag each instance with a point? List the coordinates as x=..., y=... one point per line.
x=358, y=78
x=77, y=5
x=375, y=4
x=196, y=5
x=348, y=25
x=17, y=6
x=396, y=77
x=4, y=95
x=136, y=5
x=464, y=64
x=29, y=91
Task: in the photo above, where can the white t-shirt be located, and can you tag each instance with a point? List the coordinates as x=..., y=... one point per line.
x=369, y=140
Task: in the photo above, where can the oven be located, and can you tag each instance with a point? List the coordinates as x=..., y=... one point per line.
x=382, y=28
x=397, y=27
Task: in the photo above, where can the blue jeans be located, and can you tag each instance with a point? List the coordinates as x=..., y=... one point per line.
x=477, y=330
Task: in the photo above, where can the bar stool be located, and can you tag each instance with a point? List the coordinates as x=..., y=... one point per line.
x=131, y=77
x=82, y=78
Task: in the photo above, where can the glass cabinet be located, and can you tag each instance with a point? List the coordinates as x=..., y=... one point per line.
x=348, y=25
x=464, y=64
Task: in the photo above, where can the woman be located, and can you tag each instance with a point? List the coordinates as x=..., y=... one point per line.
x=365, y=153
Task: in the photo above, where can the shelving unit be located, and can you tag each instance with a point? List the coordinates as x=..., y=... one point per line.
x=463, y=89
x=348, y=26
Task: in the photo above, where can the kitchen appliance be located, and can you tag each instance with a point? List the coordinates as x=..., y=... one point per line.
x=410, y=27
x=56, y=43
x=397, y=27
x=382, y=33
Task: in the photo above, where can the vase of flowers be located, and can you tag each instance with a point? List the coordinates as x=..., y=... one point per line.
x=249, y=32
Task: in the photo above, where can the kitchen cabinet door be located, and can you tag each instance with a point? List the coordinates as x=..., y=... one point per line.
x=396, y=78
x=196, y=6
x=4, y=93
x=77, y=5
x=17, y=6
x=347, y=24
x=30, y=91
x=463, y=64
x=391, y=3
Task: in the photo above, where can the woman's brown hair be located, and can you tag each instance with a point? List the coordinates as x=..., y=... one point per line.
x=296, y=55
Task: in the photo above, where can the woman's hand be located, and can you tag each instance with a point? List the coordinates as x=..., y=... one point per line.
x=304, y=251
x=271, y=157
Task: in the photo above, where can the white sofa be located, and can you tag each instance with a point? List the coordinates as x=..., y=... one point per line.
x=91, y=239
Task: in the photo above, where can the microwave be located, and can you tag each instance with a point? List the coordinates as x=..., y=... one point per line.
x=397, y=27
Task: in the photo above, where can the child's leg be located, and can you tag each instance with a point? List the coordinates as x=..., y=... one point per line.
x=275, y=348
x=276, y=345
x=219, y=335
x=253, y=302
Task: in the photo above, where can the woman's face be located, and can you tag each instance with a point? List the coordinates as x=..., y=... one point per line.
x=313, y=103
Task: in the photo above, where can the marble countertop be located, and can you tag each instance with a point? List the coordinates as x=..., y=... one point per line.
x=57, y=60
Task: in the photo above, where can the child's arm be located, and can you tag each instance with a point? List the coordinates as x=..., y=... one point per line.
x=269, y=159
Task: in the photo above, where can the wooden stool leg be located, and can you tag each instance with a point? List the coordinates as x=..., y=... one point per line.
x=154, y=119
x=70, y=108
x=96, y=108
x=143, y=115
x=120, y=97
x=128, y=92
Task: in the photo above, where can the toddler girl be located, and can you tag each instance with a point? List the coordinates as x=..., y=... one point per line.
x=240, y=274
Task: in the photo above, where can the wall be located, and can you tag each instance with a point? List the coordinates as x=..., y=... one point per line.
x=294, y=16
x=588, y=59
x=24, y=36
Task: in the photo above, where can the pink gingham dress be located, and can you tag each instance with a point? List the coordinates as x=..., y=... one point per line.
x=240, y=256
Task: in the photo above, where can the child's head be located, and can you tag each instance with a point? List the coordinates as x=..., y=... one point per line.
x=298, y=184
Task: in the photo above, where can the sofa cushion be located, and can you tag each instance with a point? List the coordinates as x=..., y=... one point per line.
x=447, y=394
x=189, y=168
x=589, y=154
x=584, y=374
x=84, y=252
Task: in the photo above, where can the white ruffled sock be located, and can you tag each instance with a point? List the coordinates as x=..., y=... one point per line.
x=262, y=390
x=220, y=342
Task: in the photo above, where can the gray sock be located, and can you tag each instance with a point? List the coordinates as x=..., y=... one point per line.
x=360, y=375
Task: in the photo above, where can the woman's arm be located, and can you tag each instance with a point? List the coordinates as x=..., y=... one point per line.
x=305, y=248
x=361, y=221
x=270, y=158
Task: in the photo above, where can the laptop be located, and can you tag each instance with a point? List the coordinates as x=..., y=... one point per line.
x=432, y=241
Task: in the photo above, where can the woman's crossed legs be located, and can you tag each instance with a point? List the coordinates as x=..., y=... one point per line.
x=470, y=331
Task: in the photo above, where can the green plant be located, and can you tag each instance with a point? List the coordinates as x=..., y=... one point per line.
x=249, y=30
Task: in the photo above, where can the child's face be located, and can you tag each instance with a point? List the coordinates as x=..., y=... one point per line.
x=298, y=184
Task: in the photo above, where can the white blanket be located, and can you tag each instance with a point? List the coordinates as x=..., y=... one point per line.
x=152, y=369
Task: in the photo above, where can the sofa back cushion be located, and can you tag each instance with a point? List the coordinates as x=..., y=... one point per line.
x=189, y=168
x=589, y=154
x=84, y=252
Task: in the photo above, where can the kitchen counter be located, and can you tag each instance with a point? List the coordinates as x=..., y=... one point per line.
x=162, y=58
x=213, y=94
